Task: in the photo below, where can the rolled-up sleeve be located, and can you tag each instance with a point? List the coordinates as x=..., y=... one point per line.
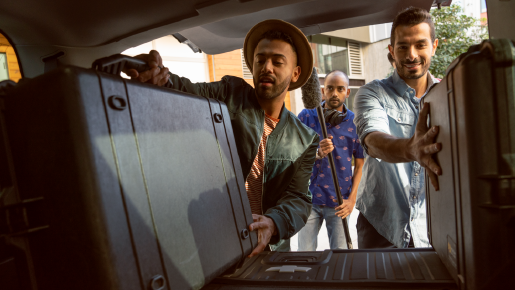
x=370, y=113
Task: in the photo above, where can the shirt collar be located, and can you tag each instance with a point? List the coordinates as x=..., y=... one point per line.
x=401, y=87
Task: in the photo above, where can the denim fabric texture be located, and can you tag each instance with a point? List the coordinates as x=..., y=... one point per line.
x=392, y=195
x=309, y=233
x=346, y=145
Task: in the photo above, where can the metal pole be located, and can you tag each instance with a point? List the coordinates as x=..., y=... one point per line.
x=320, y=114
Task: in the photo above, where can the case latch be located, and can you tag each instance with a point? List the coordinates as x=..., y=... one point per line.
x=21, y=218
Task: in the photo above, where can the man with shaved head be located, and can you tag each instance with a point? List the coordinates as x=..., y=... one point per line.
x=345, y=143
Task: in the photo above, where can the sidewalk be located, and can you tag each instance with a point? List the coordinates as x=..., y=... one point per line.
x=323, y=240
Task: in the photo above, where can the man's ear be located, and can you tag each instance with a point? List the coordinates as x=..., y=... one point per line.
x=390, y=49
x=296, y=74
x=323, y=92
x=435, y=45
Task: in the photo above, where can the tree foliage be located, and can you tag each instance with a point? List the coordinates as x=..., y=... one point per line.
x=455, y=33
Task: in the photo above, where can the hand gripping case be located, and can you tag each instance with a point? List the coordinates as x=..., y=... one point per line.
x=138, y=187
x=472, y=216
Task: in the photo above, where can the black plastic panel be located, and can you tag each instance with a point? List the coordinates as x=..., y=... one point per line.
x=416, y=268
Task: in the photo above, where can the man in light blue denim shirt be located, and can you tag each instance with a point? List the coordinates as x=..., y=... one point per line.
x=393, y=130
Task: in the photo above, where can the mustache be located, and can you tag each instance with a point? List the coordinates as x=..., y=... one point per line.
x=416, y=61
x=267, y=76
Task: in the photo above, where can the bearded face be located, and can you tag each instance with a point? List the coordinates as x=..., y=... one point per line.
x=413, y=69
x=268, y=87
x=413, y=50
x=336, y=90
x=274, y=67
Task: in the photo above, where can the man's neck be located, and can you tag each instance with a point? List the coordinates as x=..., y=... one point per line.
x=272, y=107
x=339, y=108
x=420, y=84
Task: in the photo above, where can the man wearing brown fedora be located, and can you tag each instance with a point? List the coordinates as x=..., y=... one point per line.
x=276, y=150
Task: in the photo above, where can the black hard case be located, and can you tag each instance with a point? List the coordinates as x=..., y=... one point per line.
x=472, y=216
x=340, y=269
x=139, y=185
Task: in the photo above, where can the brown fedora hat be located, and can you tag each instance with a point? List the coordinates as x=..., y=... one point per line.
x=304, y=54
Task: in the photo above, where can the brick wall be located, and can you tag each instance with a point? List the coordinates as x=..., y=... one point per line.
x=12, y=60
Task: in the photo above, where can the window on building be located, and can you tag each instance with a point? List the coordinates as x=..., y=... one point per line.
x=329, y=53
x=9, y=67
x=246, y=71
x=4, y=71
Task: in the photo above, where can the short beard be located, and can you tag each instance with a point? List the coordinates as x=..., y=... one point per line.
x=329, y=106
x=275, y=91
x=411, y=76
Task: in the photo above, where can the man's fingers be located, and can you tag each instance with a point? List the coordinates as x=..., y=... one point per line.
x=431, y=134
x=326, y=141
x=258, y=249
x=161, y=77
x=255, y=217
x=154, y=59
x=132, y=73
x=432, y=148
x=148, y=75
x=163, y=81
x=434, y=180
x=258, y=225
x=343, y=214
x=432, y=166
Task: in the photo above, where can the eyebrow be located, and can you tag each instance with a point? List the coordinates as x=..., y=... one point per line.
x=425, y=40
x=275, y=55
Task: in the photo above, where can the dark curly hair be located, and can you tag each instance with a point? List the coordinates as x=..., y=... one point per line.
x=276, y=34
x=412, y=16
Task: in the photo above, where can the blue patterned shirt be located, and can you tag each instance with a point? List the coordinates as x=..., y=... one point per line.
x=346, y=143
x=391, y=196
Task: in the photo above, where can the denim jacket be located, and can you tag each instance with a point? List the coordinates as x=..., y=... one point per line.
x=391, y=196
x=289, y=157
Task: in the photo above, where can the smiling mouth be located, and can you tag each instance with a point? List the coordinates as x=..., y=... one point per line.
x=412, y=66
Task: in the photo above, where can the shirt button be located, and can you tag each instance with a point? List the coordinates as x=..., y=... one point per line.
x=398, y=119
x=416, y=174
x=416, y=107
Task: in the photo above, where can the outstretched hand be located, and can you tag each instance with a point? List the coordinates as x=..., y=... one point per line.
x=421, y=146
x=265, y=227
x=157, y=74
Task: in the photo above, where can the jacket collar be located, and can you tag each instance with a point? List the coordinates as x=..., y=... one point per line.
x=283, y=119
x=283, y=116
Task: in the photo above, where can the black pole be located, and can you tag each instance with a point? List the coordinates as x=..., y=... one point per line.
x=320, y=114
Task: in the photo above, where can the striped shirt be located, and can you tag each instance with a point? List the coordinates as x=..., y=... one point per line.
x=254, y=184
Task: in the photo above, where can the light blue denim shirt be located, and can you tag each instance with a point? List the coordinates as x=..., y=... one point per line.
x=391, y=196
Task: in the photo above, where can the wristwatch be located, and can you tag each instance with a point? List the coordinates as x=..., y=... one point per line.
x=318, y=157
